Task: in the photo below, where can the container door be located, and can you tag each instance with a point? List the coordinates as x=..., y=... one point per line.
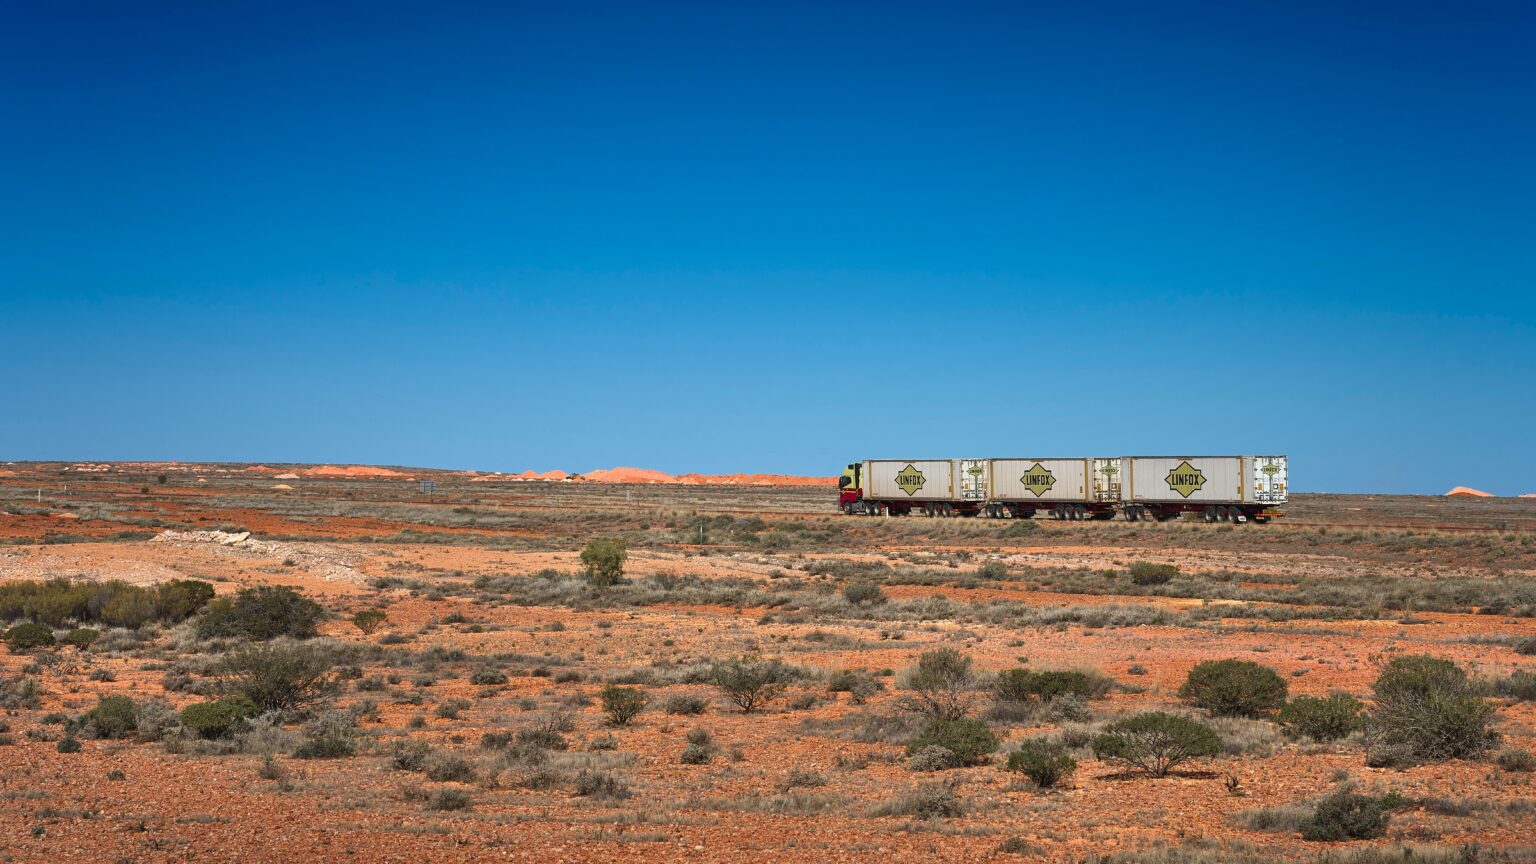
x=972, y=477
x=1270, y=479
x=1106, y=479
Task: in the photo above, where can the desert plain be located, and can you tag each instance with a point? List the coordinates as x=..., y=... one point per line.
x=473, y=725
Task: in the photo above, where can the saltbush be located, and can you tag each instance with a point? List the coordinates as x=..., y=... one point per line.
x=1043, y=761
x=934, y=758
x=220, y=718
x=81, y=637
x=1147, y=573
x=1019, y=685
x=28, y=637
x=1427, y=709
x=863, y=594
x=967, y=738
x=1322, y=718
x=1234, y=688
x=1346, y=815
x=113, y=717
x=750, y=682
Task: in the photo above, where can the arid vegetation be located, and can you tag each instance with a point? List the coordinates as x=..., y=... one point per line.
x=592, y=673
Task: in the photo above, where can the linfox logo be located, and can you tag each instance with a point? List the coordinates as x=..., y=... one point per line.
x=1038, y=479
x=1185, y=479
x=910, y=479
x=1271, y=469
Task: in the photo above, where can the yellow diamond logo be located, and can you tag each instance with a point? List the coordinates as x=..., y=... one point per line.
x=1109, y=470
x=1038, y=479
x=1185, y=479
x=910, y=480
x=1271, y=469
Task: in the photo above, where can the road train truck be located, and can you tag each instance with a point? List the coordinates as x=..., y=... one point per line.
x=1218, y=488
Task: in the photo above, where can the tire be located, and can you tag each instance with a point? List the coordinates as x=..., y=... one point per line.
x=1130, y=514
x=1210, y=514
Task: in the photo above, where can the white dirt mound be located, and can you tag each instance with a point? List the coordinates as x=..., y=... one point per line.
x=327, y=562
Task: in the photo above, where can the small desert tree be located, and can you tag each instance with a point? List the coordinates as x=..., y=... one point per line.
x=623, y=704
x=280, y=676
x=1156, y=742
x=369, y=620
x=750, y=682
x=942, y=684
x=604, y=560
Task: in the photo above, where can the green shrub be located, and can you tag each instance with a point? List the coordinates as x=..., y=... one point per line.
x=330, y=736
x=603, y=559
x=1147, y=573
x=622, y=704
x=1155, y=742
x=1043, y=761
x=1345, y=815
x=81, y=637
x=1515, y=759
x=750, y=681
x=26, y=638
x=694, y=754
x=262, y=613
x=967, y=738
x=1322, y=719
x=863, y=594
x=57, y=601
x=279, y=676
x=942, y=684
x=217, y=719
x=367, y=621
x=113, y=717
x=1526, y=647
x=68, y=744
x=1234, y=688
x=1019, y=685
x=1426, y=708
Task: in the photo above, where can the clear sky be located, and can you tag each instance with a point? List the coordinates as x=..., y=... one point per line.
x=727, y=237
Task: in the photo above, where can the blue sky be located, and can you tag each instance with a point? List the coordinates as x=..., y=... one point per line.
x=726, y=237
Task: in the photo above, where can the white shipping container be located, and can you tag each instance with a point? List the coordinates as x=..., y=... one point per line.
x=1185, y=479
x=1045, y=480
x=910, y=479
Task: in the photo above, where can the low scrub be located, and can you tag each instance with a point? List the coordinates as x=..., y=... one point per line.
x=1346, y=815
x=1045, y=762
x=278, y=676
x=969, y=739
x=1155, y=742
x=1322, y=718
x=219, y=718
x=114, y=603
x=751, y=682
x=623, y=704
x=113, y=717
x=29, y=637
x=1234, y=688
x=1147, y=573
x=262, y=613
x=1427, y=709
x=1019, y=685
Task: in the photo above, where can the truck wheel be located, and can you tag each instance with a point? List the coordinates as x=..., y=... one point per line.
x=1210, y=514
